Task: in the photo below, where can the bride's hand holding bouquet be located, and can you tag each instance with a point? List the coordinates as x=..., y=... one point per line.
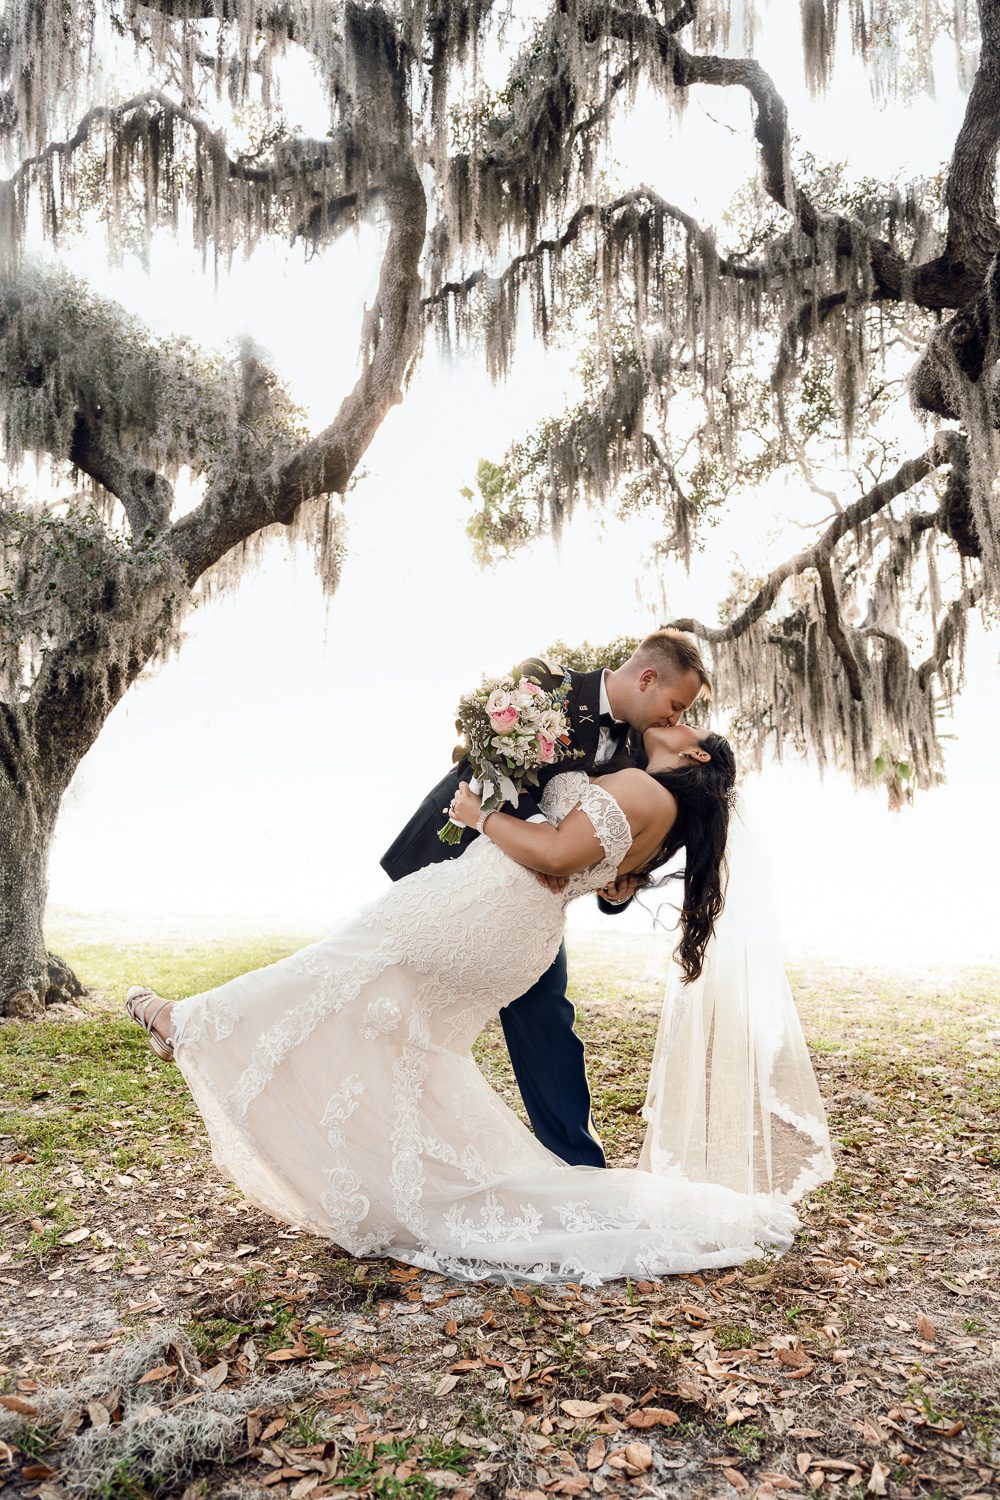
x=512, y=728
x=465, y=806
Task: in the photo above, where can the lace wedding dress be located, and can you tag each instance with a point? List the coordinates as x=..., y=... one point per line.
x=340, y=1092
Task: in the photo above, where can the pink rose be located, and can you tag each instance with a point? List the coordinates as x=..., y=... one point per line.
x=505, y=720
x=527, y=686
x=546, y=749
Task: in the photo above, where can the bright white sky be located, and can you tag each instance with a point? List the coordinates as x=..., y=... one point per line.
x=265, y=769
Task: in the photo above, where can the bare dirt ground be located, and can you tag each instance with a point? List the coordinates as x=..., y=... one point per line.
x=160, y=1338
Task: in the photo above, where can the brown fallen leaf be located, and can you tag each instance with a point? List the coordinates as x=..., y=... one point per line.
x=737, y=1480
x=876, y=1484
x=926, y=1328
x=98, y=1414
x=451, y=1328
x=639, y=1457
x=158, y=1372
x=686, y=1390
x=15, y=1403
x=37, y=1470
x=596, y=1453
x=735, y=1414
x=760, y=1281
x=652, y=1416
x=75, y=1237
x=445, y=1384
x=145, y=1304
x=581, y=1409
x=952, y=1430
x=216, y=1376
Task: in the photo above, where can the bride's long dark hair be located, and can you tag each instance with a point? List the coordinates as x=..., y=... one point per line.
x=704, y=792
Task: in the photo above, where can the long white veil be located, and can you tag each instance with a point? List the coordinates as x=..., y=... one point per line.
x=732, y=1096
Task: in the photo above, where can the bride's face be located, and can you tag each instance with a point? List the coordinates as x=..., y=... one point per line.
x=670, y=749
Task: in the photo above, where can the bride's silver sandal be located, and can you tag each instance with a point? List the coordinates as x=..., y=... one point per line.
x=137, y=1004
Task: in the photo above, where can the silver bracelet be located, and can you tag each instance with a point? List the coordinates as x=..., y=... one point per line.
x=482, y=819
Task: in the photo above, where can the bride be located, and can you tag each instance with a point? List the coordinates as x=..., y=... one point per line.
x=340, y=1093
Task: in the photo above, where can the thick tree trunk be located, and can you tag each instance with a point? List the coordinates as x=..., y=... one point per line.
x=30, y=977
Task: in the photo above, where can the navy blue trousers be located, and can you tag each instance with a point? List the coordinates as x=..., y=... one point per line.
x=549, y=1066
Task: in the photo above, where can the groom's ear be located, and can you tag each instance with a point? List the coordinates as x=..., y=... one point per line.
x=647, y=679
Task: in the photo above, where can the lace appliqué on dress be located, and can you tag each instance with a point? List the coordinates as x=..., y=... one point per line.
x=574, y=789
x=494, y=1225
x=381, y=1016
x=339, y=985
x=340, y=1108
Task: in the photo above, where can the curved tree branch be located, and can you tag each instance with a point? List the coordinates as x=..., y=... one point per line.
x=325, y=464
x=876, y=499
x=835, y=629
x=731, y=266
x=945, y=633
x=146, y=496
x=309, y=156
x=936, y=284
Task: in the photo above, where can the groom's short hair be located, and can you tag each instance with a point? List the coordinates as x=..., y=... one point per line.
x=672, y=649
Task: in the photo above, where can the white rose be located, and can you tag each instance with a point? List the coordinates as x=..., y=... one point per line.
x=498, y=701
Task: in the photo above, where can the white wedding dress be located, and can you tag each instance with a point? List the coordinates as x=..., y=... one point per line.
x=340, y=1092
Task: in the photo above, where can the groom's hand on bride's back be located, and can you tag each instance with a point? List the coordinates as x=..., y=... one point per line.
x=622, y=890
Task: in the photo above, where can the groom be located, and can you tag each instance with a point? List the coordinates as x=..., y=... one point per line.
x=609, y=711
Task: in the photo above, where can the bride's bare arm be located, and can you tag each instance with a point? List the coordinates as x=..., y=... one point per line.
x=553, y=851
x=574, y=845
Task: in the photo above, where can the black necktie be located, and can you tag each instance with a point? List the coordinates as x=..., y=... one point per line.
x=615, y=727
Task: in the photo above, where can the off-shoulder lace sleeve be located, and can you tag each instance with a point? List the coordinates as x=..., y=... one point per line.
x=610, y=823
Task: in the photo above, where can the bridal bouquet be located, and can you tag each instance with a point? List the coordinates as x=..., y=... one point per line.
x=511, y=728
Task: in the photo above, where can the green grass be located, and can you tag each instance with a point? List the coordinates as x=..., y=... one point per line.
x=853, y=1011
x=81, y=1094
x=362, y=1470
x=733, y=1336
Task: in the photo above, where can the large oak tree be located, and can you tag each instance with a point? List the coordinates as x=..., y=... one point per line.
x=481, y=196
